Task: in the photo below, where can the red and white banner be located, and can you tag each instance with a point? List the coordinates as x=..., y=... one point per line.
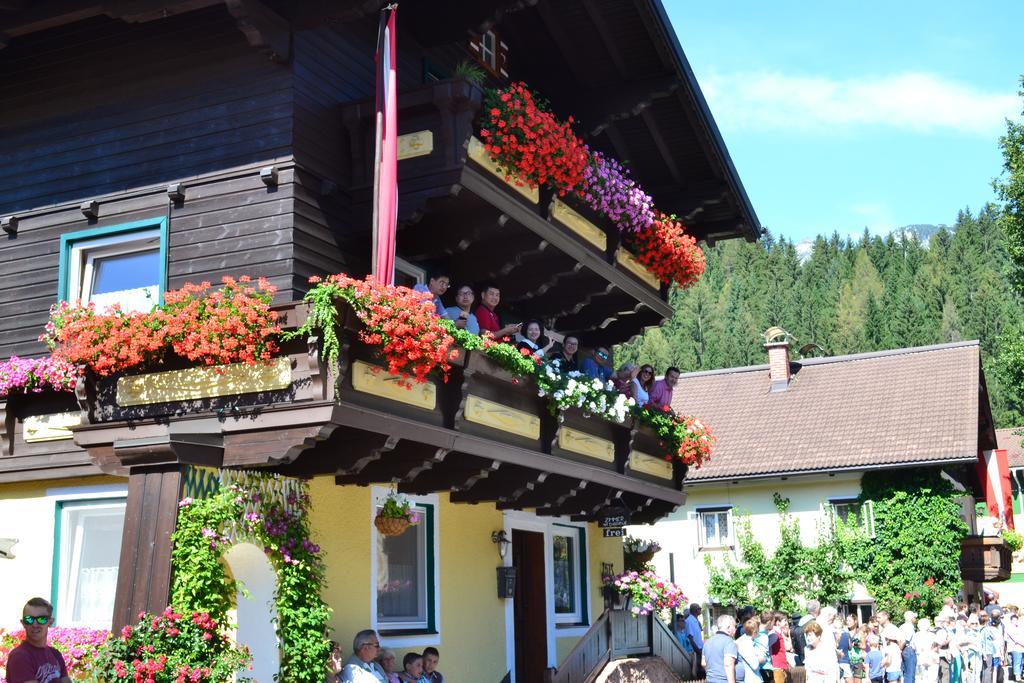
x=385, y=176
x=994, y=472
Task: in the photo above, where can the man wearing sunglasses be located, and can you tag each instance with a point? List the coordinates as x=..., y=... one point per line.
x=34, y=661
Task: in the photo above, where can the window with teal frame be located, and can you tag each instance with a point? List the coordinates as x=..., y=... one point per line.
x=86, y=555
x=124, y=264
x=405, y=581
x=569, y=571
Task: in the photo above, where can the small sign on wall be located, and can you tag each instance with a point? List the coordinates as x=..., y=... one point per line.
x=614, y=533
x=611, y=517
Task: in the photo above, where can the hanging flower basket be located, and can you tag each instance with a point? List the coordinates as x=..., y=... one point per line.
x=395, y=515
x=391, y=526
x=644, y=557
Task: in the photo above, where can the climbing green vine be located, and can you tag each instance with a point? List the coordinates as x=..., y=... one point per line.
x=912, y=561
x=206, y=529
x=777, y=580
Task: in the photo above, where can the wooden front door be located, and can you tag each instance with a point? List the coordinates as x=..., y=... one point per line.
x=530, y=606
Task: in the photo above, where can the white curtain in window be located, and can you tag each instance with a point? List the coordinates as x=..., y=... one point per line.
x=402, y=576
x=90, y=554
x=95, y=600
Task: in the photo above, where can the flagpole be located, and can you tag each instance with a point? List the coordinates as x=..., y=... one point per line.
x=383, y=45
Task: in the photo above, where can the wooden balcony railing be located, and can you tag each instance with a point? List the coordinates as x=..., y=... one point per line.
x=617, y=634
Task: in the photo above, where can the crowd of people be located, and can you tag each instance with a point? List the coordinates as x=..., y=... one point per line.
x=961, y=645
x=371, y=663
x=635, y=381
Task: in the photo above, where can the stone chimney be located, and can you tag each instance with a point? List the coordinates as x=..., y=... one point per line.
x=778, y=365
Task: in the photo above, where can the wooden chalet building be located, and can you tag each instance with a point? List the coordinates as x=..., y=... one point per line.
x=185, y=140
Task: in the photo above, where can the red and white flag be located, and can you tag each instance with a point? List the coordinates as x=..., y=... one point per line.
x=385, y=175
x=994, y=472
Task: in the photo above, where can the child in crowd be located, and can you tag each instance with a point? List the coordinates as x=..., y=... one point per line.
x=430, y=659
x=876, y=672
x=412, y=664
x=856, y=657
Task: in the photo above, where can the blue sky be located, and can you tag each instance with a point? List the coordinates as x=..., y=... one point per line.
x=841, y=116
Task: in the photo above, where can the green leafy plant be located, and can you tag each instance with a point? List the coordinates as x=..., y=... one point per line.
x=207, y=527
x=1013, y=539
x=779, y=580
x=398, y=507
x=913, y=560
x=472, y=72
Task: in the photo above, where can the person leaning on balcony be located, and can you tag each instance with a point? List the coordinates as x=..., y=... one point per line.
x=361, y=667
x=623, y=378
x=642, y=384
x=438, y=282
x=487, y=316
x=460, y=312
x=34, y=660
x=661, y=392
x=597, y=364
x=564, y=357
x=534, y=339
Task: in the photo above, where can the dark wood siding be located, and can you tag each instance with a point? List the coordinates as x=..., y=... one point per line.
x=101, y=105
x=229, y=224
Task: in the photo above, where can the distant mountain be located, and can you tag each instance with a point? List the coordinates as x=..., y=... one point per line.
x=923, y=231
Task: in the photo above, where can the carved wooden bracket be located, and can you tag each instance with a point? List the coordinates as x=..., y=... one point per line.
x=264, y=29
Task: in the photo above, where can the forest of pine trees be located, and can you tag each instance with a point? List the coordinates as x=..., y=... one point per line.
x=848, y=296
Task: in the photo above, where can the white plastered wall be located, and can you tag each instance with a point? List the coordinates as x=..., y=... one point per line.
x=678, y=533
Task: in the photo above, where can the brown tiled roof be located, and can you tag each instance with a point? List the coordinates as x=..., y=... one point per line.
x=1005, y=438
x=847, y=412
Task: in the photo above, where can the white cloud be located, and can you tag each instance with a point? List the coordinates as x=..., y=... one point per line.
x=917, y=102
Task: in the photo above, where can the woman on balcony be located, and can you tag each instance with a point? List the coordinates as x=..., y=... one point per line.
x=642, y=384
x=534, y=340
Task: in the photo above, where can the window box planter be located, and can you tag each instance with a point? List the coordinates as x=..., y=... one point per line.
x=591, y=440
x=497, y=405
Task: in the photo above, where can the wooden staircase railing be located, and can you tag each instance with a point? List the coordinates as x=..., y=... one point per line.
x=617, y=634
x=584, y=661
x=664, y=644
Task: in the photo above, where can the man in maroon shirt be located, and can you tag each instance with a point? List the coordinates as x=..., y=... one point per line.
x=488, y=318
x=34, y=661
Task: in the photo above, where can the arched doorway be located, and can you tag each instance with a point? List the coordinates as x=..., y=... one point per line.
x=256, y=610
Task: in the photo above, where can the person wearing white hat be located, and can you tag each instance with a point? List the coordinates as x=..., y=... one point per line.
x=892, y=659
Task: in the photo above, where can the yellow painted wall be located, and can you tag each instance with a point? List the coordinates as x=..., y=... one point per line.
x=472, y=624
x=28, y=514
x=601, y=550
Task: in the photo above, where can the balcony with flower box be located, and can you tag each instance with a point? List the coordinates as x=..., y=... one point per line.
x=319, y=394
x=554, y=255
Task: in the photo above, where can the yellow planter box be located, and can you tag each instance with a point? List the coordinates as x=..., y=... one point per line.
x=478, y=153
x=626, y=260
x=372, y=379
x=204, y=382
x=498, y=416
x=586, y=444
x=565, y=215
x=648, y=464
x=53, y=427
